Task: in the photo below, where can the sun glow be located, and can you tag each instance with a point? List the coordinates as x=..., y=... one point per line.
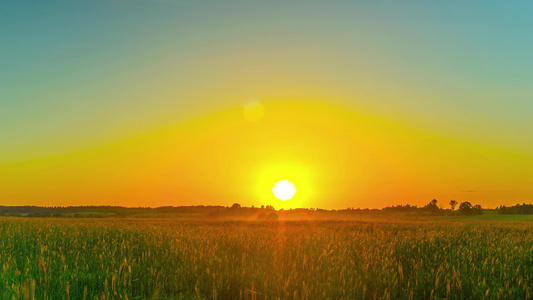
x=284, y=190
x=298, y=173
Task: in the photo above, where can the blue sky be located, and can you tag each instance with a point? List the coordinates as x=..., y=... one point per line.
x=74, y=68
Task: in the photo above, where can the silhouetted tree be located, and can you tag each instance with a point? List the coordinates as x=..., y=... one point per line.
x=453, y=204
x=465, y=208
x=235, y=206
x=432, y=207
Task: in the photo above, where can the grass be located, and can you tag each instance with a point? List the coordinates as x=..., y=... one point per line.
x=90, y=214
x=172, y=259
x=494, y=216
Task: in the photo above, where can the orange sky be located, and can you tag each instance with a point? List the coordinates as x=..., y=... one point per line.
x=336, y=157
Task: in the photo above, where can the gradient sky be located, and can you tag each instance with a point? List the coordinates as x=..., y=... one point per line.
x=368, y=104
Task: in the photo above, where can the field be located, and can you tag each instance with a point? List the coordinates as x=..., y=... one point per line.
x=47, y=258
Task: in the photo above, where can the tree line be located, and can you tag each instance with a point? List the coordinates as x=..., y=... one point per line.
x=465, y=208
x=263, y=212
x=523, y=209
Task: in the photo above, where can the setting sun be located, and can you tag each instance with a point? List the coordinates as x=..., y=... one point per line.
x=284, y=190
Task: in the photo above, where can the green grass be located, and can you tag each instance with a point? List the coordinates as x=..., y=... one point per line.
x=494, y=216
x=90, y=214
x=191, y=216
x=172, y=259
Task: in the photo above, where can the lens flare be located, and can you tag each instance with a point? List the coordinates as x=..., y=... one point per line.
x=253, y=111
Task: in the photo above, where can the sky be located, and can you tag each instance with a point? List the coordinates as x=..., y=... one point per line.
x=174, y=102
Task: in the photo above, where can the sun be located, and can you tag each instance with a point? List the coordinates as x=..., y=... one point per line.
x=284, y=190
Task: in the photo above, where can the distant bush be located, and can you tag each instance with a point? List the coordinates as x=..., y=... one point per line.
x=432, y=208
x=466, y=208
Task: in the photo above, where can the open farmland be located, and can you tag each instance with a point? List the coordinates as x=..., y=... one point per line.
x=169, y=259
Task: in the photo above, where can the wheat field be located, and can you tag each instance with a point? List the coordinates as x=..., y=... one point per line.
x=170, y=259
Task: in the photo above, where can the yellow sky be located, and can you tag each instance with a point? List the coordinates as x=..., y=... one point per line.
x=336, y=157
